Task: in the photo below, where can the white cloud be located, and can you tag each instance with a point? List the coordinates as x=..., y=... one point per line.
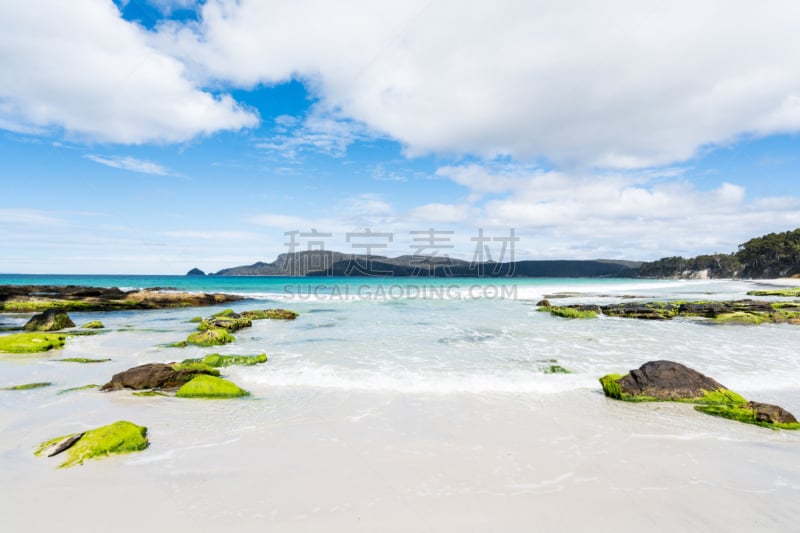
x=318, y=132
x=442, y=213
x=78, y=66
x=622, y=215
x=130, y=163
x=611, y=84
x=25, y=217
x=214, y=235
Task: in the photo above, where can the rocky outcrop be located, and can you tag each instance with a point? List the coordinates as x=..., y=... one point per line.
x=666, y=380
x=657, y=381
x=152, y=376
x=50, y=320
x=741, y=311
x=35, y=298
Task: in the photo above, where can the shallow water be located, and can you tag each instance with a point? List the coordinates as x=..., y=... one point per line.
x=406, y=413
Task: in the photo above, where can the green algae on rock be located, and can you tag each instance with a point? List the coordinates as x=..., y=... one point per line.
x=210, y=337
x=85, y=360
x=28, y=386
x=147, y=393
x=230, y=323
x=217, y=360
x=50, y=320
x=196, y=366
x=273, y=314
x=556, y=369
x=203, y=386
x=764, y=415
x=196, y=319
x=119, y=437
x=94, y=324
x=78, y=389
x=788, y=293
x=572, y=312
x=31, y=342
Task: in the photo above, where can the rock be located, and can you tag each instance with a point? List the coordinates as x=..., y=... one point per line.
x=35, y=298
x=210, y=337
x=787, y=293
x=50, y=320
x=119, y=437
x=229, y=323
x=195, y=272
x=31, y=342
x=759, y=414
x=771, y=414
x=216, y=360
x=274, y=314
x=543, y=303
x=738, y=311
x=151, y=376
x=94, y=324
x=84, y=360
x=667, y=380
x=210, y=387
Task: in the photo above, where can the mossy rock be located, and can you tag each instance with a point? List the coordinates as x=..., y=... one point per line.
x=196, y=365
x=78, y=389
x=571, y=312
x=28, y=386
x=204, y=386
x=85, y=360
x=94, y=324
x=556, y=369
x=273, y=314
x=742, y=317
x=226, y=313
x=50, y=320
x=211, y=337
x=787, y=293
x=217, y=360
x=31, y=342
x=745, y=414
x=148, y=393
x=196, y=319
x=228, y=322
x=119, y=437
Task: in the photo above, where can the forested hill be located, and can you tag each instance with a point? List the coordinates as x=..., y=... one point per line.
x=776, y=255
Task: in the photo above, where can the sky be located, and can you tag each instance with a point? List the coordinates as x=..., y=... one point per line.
x=153, y=136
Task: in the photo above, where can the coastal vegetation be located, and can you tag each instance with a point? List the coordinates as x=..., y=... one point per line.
x=775, y=255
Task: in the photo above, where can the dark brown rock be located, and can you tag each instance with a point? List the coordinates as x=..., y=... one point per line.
x=667, y=380
x=771, y=414
x=152, y=376
x=50, y=320
x=543, y=303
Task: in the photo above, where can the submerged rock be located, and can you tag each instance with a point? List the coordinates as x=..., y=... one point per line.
x=738, y=311
x=152, y=376
x=788, y=293
x=274, y=314
x=210, y=387
x=228, y=322
x=28, y=386
x=216, y=360
x=119, y=437
x=94, y=324
x=50, y=320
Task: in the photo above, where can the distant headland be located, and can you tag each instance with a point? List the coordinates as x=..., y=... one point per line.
x=776, y=255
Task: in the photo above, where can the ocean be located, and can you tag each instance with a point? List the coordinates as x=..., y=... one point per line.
x=409, y=405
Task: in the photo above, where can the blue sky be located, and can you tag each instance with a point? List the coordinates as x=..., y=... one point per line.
x=152, y=137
